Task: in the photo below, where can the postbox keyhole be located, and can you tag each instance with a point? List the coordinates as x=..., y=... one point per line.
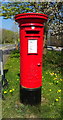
x=39, y=64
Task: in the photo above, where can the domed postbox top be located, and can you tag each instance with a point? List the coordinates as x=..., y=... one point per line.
x=31, y=18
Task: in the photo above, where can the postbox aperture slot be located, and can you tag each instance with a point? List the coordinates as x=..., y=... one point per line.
x=32, y=46
x=32, y=32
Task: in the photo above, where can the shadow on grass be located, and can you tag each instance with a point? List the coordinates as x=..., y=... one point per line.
x=4, y=80
x=18, y=74
x=40, y=111
x=15, y=54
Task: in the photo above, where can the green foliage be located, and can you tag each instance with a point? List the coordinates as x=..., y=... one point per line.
x=54, y=10
x=9, y=36
x=12, y=8
x=54, y=60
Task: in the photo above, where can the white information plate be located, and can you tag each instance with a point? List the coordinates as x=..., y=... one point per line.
x=32, y=46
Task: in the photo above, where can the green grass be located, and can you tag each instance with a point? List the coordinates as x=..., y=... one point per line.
x=51, y=91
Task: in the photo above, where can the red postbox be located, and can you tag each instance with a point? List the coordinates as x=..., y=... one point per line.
x=31, y=52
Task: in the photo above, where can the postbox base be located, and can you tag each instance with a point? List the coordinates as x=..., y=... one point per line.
x=30, y=96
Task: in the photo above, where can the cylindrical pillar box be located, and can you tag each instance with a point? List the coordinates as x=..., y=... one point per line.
x=31, y=53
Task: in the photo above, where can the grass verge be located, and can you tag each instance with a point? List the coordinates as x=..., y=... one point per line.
x=51, y=91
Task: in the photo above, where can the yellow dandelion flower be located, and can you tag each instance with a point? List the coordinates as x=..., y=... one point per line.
x=50, y=90
x=59, y=97
x=57, y=81
x=5, y=92
x=42, y=76
x=17, y=79
x=61, y=79
x=56, y=100
x=52, y=73
x=58, y=91
x=54, y=78
x=10, y=90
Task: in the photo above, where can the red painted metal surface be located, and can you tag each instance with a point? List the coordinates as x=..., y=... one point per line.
x=31, y=33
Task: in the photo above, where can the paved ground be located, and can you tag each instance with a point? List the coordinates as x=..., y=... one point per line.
x=55, y=48
x=5, y=57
